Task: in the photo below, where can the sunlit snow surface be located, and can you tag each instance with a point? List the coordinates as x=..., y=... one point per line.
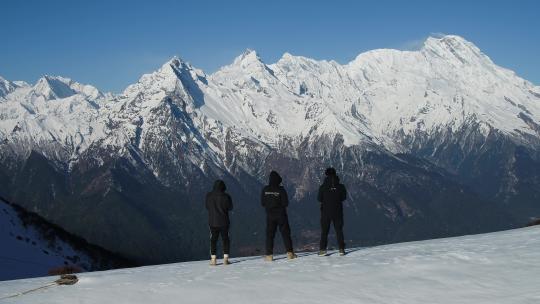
x=491, y=268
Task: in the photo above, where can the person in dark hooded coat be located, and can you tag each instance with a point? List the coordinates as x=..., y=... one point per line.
x=218, y=204
x=331, y=196
x=274, y=199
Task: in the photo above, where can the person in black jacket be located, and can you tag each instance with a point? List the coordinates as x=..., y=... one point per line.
x=219, y=204
x=274, y=199
x=331, y=196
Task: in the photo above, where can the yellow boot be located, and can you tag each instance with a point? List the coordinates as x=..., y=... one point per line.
x=226, y=259
x=213, y=260
x=269, y=258
x=291, y=255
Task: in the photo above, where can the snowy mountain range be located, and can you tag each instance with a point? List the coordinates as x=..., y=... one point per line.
x=435, y=142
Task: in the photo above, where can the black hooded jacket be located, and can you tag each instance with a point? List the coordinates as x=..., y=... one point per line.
x=274, y=197
x=331, y=195
x=218, y=204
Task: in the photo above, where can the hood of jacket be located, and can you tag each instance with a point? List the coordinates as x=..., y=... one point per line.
x=219, y=186
x=330, y=171
x=274, y=179
x=332, y=180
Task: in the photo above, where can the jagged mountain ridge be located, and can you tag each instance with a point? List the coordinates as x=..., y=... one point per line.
x=377, y=119
x=376, y=97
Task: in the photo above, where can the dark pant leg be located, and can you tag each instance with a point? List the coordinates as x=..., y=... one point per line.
x=271, y=226
x=325, y=228
x=285, y=231
x=214, y=235
x=226, y=240
x=338, y=227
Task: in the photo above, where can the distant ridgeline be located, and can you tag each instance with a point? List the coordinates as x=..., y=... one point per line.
x=32, y=246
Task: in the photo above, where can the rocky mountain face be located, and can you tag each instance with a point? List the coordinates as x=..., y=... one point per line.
x=429, y=143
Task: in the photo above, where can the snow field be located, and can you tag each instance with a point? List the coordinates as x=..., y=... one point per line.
x=491, y=268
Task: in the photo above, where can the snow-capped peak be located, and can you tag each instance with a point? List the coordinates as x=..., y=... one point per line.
x=248, y=63
x=452, y=47
x=452, y=39
x=289, y=59
x=51, y=87
x=175, y=78
x=247, y=58
x=3, y=80
x=56, y=87
x=171, y=67
x=287, y=56
x=21, y=83
x=6, y=87
x=167, y=76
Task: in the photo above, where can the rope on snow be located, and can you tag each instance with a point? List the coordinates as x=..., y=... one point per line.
x=65, y=279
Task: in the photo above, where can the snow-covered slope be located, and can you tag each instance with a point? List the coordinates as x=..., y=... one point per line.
x=491, y=268
x=32, y=247
x=25, y=251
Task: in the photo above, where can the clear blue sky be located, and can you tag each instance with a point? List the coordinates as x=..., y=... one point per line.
x=111, y=43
